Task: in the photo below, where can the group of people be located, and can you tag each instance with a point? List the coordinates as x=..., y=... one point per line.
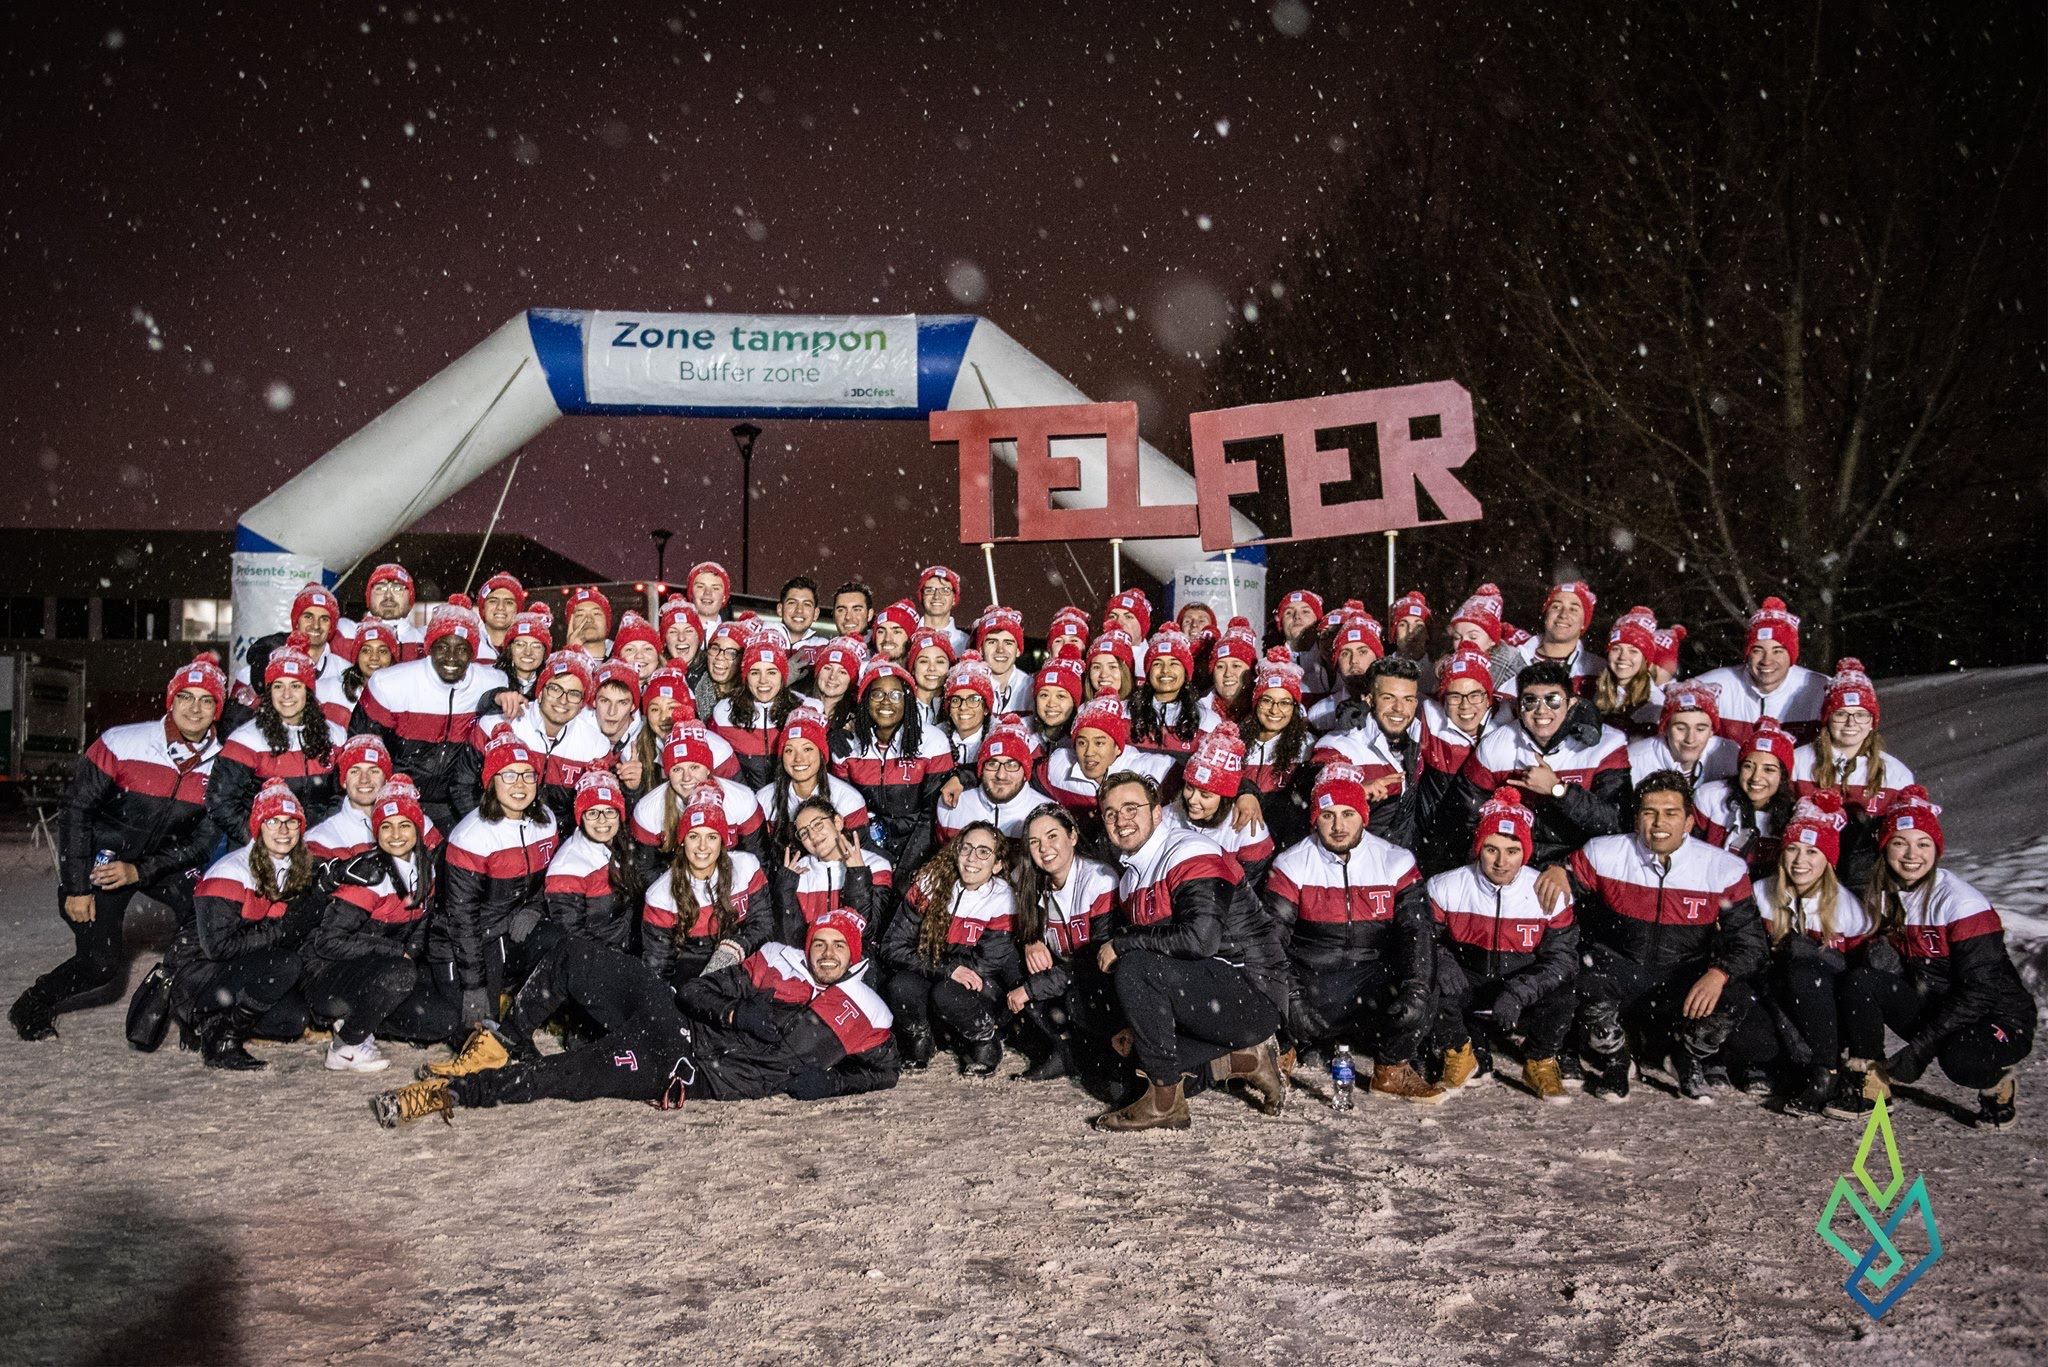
x=735, y=856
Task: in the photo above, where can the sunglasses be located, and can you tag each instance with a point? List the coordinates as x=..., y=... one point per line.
x=1547, y=701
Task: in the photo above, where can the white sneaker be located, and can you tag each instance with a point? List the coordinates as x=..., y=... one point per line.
x=355, y=1058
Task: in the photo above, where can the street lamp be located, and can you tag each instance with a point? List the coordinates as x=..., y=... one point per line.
x=743, y=436
x=661, y=536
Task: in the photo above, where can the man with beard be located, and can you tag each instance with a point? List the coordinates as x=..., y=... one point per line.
x=1354, y=646
x=1384, y=742
x=424, y=711
x=1006, y=795
x=1571, y=769
x=1299, y=616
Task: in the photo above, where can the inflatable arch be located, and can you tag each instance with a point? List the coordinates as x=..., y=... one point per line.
x=545, y=363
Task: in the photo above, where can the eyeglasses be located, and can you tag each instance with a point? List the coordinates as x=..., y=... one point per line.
x=1128, y=811
x=519, y=776
x=977, y=851
x=1002, y=766
x=556, y=693
x=1548, y=701
x=817, y=830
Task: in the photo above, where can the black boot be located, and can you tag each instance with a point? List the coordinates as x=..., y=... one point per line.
x=1057, y=1064
x=982, y=1051
x=220, y=1044
x=917, y=1046
x=1608, y=1078
x=33, y=1015
x=1691, y=1071
x=1814, y=1097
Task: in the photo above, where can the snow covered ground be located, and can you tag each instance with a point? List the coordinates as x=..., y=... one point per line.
x=153, y=1212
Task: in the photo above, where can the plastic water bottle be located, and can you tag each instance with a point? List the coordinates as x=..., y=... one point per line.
x=1343, y=1078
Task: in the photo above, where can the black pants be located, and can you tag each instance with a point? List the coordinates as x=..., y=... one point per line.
x=256, y=987
x=1616, y=992
x=379, y=995
x=1185, y=1012
x=643, y=1053
x=1798, y=1020
x=1543, y=1025
x=1353, y=1002
x=1974, y=1056
x=916, y=998
x=98, y=958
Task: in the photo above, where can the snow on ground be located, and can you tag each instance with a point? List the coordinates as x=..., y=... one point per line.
x=152, y=1211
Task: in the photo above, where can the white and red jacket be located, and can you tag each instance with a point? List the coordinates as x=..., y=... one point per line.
x=651, y=819
x=1018, y=695
x=1267, y=769
x=425, y=724
x=1716, y=819
x=976, y=805
x=818, y=887
x=565, y=755
x=850, y=1009
x=1895, y=778
x=245, y=764
x=140, y=791
x=1853, y=925
x=1368, y=747
x=349, y=833
x=332, y=695
x=1795, y=702
x=758, y=744
x=1334, y=909
x=1953, y=944
x=1498, y=932
x=579, y=895
x=690, y=914
x=382, y=919
x=1078, y=914
x=1076, y=791
x=1650, y=754
x=1664, y=914
x=1585, y=668
x=1445, y=747
x=412, y=637
x=1251, y=848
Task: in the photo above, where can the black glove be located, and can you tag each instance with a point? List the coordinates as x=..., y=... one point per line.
x=757, y=1020
x=812, y=1085
x=1409, y=1010
x=365, y=870
x=301, y=916
x=1800, y=949
x=1905, y=1066
x=1507, y=1010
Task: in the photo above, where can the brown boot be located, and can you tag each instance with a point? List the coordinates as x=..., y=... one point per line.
x=1400, y=1080
x=1540, y=1076
x=483, y=1052
x=1459, y=1066
x=1159, y=1108
x=1258, y=1068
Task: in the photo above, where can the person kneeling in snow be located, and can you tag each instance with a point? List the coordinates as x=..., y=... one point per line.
x=798, y=1023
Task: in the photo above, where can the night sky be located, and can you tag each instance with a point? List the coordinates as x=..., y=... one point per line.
x=230, y=240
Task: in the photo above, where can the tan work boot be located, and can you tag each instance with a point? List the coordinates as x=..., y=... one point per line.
x=412, y=1102
x=483, y=1052
x=1159, y=1108
x=1540, y=1076
x=1401, y=1081
x=1258, y=1068
x=1459, y=1066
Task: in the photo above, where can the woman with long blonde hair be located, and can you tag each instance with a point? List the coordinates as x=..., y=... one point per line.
x=1849, y=758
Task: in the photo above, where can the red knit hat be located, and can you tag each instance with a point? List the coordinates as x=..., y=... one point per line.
x=673, y=684
x=999, y=618
x=1062, y=673
x=899, y=614
x=1278, y=671
x=1067, y=636
x=1774, y=622
x=931, y=572
x=847, y=922
x=455, y=618
x=880, y=668
x=1466, y=661
x=589, y=593
x=1299, y=598
x=1358, y=627
x=704, y=809
x=633, y=627
x=1339, y=785
x=389, y=573
x=1482, y=610
x=845, y=651
x=1771, y=739
x=316, y=599
x=203, y=673
x=374, y=630
x=1850, y=687
x=922, y=640
x=573, y=663
x=1577, y=588
x=274, y=800
x=616, y=671
x=363, y=749
x=1134, y=602
x=532, y=626
x=599, y=788
x=735, y=634
x=1912, y=810
x=398, y=797
x=1008, y=738
x=765, y=650
x=1072, y=613
x=1818, y=821
x=1410, y=604
x=1170, y=642
x=1117, y=643
x=1512, y=635
x=1666, y=641
x=503, y=751
x=689, y=742
x=972, y=675
x=1503, y=813
x=1637, y=627
x=1217, y=762
x=1691, y=697
x=714, y=569
x=1107, y=715
x=677, y=612
x=502, y=582
x=808, y=723
x=1240, y=641
x=290, y=661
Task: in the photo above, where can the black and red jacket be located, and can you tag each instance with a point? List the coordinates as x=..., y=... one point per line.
x=977, y=935
x=425, y=723
x=139, y=791
x=377, y=910
x=899, y=789
x=1695, y=908
x=492, y=871
x=1181, y=896
x=246, y=763
x=232, y=917
x=835, y=1038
